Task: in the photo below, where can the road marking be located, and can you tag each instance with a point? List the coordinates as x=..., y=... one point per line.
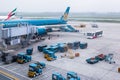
x=8, y=75
x=14, y=69
x=16, y=73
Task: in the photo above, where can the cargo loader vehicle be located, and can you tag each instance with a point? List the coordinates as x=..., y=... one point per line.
x=41, y=64
x=50, y=55
x=83, y=45
x=108, y=58
x=23, y=58
x=29, y=51
x=41, y=47
x=57, y=76
x=96, y=59
x=35, y=69
x=70, y=76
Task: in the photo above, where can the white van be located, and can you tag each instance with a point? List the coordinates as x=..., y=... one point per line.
x=94, y=34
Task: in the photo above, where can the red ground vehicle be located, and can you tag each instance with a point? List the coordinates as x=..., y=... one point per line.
x=100, y=57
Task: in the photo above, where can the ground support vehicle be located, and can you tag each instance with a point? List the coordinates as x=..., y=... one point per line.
x=92, y=60
x=41, y=64
x=109, y=58
x=34, y=70
x=57, y=76
x=72, y=76
x=100, y=57
x=62, y=47
x=8, y=56
x=29, y=51
x=50, y=55
x=40, y=48
x=23, y=58
x=83, y=45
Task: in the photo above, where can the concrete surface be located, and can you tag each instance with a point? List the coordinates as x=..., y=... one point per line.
x=109, y=43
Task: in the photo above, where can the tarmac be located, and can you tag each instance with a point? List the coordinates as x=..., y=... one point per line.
x=108, y=43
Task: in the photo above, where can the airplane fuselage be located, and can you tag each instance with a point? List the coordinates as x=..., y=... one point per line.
x=35, y=22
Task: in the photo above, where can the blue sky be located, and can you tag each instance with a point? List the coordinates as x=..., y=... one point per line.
x=60, y=5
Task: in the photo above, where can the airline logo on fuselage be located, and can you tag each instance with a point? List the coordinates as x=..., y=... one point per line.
x=65, y=16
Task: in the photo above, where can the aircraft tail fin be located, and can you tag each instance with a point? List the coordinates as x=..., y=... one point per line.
x=12, y=13
x=65, y=15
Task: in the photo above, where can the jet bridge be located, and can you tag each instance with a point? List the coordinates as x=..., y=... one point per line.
x=13, y=35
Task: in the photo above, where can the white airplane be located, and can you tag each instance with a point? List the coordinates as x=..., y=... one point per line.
x=3, y=18
x=10, y=15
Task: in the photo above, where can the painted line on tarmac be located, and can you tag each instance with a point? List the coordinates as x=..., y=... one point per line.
x=16, y=73
x=13, y=69
x=8, y=75
x=7, y=65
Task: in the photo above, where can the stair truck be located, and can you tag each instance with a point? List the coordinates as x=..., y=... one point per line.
x=72, y=76
x=34, y=70
x=68, y=28
x=23, y=58
x=72, y=29
x=57, y=76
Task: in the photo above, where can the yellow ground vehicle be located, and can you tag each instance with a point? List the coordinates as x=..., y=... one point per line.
x=50, y=55
x=35, y=69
